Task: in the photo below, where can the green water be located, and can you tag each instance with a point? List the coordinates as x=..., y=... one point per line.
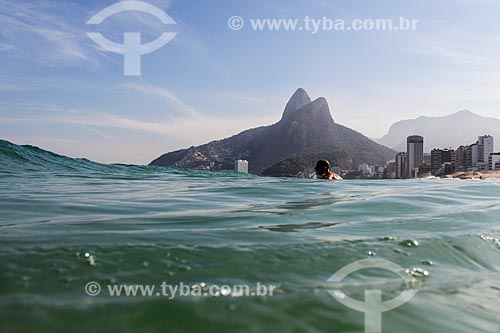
x=147, y=225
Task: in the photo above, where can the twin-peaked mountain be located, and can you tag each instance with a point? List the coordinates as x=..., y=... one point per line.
x=290, y=147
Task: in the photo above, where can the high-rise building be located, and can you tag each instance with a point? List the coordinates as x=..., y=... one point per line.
x=402, y=166
x=494, y=162
x=241, y=166
x=390, y=170
x=461, y=158
x=424, y=170
x=427, y=158
x=485, y=148
x=415, y=150
x=436, y=160
x=473, y=155
x=439, y=157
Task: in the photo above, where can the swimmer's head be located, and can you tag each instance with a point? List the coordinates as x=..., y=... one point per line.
x=322, y=167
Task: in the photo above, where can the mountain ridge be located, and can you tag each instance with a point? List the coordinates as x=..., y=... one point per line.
x=449, y=131
x=290, y=147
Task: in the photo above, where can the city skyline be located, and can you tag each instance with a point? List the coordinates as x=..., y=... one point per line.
x=475, y=157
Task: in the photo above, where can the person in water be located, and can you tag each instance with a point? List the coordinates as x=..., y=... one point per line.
x=323, y=171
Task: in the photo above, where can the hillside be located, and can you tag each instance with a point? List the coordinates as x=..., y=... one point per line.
x=290, y=147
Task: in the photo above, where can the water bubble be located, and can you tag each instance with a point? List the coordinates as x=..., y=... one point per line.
x=427, y=262
x=232, y=307
x=145, y=264
x=371, y=253
x=89, y=258
x=491, y=239
x=387, y=238
x=409, y=243
x=417, y=272
x=203, y=285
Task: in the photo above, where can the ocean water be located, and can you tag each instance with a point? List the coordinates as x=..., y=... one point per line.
x=148, y=225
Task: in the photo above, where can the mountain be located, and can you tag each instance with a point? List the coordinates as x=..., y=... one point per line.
x=461, y=128
x=305, y=133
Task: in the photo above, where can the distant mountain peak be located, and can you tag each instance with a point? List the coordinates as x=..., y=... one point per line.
x=318, y=110
x=290, y=147
x=453, y=130
x=321, y=102
x=465, y=112
x=299, y=99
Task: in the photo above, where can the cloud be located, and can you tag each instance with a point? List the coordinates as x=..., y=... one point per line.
x=190, y=127
x=54, y=33
x=38, y=32
x=163, y=93
x=461, y=49
x=119, y=147
x=192, y=130
x=201, y=127
x=100, y=133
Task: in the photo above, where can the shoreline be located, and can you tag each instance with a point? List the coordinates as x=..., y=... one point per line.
x=474, y=175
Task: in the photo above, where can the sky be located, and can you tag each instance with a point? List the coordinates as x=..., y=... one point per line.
x=61, y=91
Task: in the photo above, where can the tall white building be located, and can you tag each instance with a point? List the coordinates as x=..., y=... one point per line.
x=485, y=148
x=241, y=166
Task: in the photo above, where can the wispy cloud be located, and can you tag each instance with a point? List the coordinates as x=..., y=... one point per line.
x=100, y=133
x=461, y=48
x=36, y=31
x=49, y=33
x=163, y=93
x=54, y=33
x=200, y=128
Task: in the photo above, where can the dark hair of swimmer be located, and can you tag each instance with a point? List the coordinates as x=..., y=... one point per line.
x=323, y=171
x=322, y=167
